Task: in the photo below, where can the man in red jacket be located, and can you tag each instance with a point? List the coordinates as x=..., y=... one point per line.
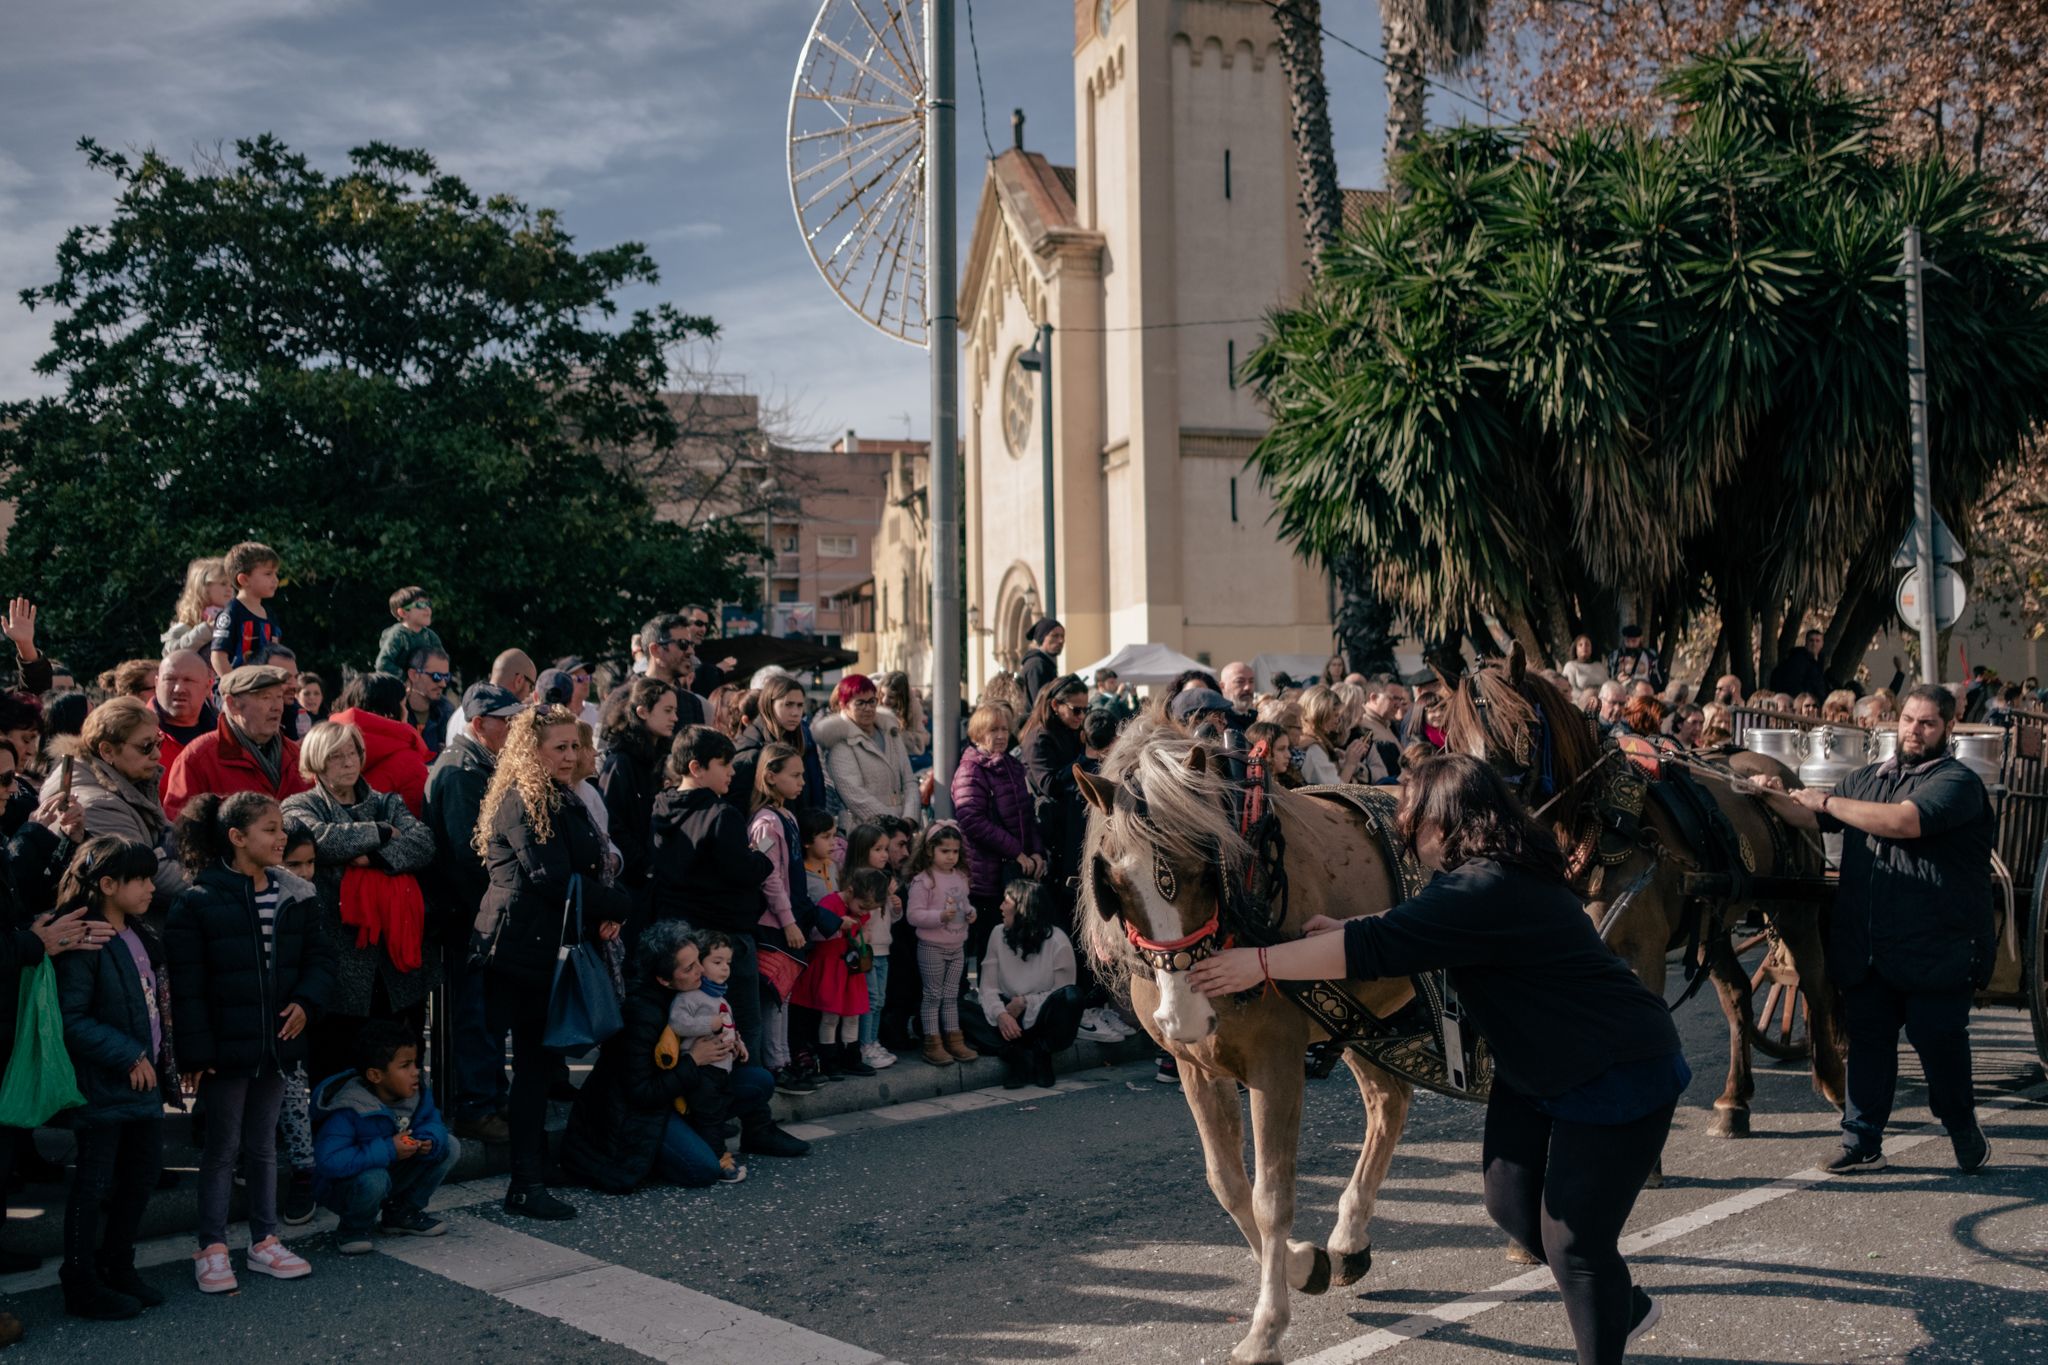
x=247, y=752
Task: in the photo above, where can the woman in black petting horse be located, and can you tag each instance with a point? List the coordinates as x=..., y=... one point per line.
x=1587, y=1065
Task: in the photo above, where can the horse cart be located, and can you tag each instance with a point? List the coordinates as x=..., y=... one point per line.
x=2011, y=759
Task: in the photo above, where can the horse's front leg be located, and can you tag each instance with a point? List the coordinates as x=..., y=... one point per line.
x=1283, y=1263
x=1386, y=1098
x=1799, y=930
x=1731, y=985
x=1220, y=1121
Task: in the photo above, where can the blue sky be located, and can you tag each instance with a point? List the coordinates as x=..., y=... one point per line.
x=660, y=121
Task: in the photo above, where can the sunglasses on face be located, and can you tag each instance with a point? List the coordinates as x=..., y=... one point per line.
x=439, y=677
x=416, y=604
x=703, y=623
x=673, y=642
x=579, y=678
x=7, y=780
x=147, y=746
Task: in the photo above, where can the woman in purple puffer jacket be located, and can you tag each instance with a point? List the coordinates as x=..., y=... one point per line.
x=993, y=807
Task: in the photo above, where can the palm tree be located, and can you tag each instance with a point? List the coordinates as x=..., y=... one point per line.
x=1573, y=360
x=1365, y=623
x=1423, y=37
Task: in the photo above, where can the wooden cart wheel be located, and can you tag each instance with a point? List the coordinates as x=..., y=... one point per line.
x=1781, y=1029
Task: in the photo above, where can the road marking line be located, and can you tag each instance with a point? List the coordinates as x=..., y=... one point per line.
x=652, y=1317
x=1521, y=1286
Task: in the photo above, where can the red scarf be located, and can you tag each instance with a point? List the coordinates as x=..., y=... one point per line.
x=387, y=908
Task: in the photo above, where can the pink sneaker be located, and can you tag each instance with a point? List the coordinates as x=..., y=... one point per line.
x=273, y=1258
x=211, y=1269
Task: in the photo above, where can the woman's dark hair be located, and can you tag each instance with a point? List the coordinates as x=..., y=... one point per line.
x=1193, y=677
x=1100, y=730
x=700, y=744
x=1479, y=817
x=380, y=1041
x=296, y=834
x=621, y=728
x=811, y=822
x=207, y=820
x=381, y=694
x=1048, y=697
x=861, y=843
x=67, y=711
x=105, y=856
x=654, y=957
x=20, y=711
x=1031, y=928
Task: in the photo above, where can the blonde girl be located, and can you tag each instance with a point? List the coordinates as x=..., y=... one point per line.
x=773, y=833
x=208, y=589
x=1329, y=755
x=940, y=909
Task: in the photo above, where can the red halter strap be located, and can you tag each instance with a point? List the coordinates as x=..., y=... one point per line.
x=1139, y=941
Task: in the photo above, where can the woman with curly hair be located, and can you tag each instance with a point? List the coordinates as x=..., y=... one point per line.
x=543, y=851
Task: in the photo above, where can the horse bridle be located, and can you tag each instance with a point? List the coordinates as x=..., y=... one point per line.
x=1180, y=954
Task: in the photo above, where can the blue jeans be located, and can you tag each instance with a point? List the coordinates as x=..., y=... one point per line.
x=687, y=1159
x=878, y=992
x=409, y=1183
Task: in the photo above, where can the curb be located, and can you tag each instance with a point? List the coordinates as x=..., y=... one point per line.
x=35, y=1224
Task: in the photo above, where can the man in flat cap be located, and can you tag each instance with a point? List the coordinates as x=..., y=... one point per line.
x=247, y=751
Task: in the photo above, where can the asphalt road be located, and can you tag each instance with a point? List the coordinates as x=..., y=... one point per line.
x=1075, y=1226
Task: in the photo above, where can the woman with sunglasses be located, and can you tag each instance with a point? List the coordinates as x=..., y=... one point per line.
x=114, y=777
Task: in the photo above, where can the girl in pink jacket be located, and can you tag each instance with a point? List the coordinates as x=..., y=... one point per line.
x=940, y=910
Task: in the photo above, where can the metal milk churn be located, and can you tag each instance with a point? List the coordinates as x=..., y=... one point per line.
x=1832, y=753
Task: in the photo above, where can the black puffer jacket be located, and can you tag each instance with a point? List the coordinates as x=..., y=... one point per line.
x=704, y=869
x=530, y=886
x=615, y=1128
x=106, y=1030
x=629, y=775
x=1049, y=758
x=227, y=998
x=456, y=882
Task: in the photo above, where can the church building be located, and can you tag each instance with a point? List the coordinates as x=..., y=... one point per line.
x=1154, y=258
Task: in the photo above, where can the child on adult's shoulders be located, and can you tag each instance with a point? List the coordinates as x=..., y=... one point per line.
x=247, y=626
x=410, y=632
x=379, y=1142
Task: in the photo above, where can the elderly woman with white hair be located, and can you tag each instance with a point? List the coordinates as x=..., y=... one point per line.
x=366, y=847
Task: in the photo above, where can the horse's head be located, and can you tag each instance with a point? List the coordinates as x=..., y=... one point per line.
x=1161, y=843
x=1520, y=723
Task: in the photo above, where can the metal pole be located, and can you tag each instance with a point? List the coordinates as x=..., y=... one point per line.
x=767, y=561
x=941, y=289
x=1052, y=573
x=1923, y=479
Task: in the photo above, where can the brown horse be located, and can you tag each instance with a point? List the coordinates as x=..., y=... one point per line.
x=1165, y=862
x=1526, y=728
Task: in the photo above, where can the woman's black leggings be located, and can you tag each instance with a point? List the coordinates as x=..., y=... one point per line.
x=1563, y=1190
x=523, y=1010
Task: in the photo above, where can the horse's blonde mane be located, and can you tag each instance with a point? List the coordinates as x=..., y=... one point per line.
x=1188, y=820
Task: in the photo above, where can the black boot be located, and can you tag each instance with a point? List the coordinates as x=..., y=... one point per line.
x=117, y=1272
x=830, y=1068
x=86, y=1297
x=1016, y=1067
x=1041, y=1068
x=850, y=1062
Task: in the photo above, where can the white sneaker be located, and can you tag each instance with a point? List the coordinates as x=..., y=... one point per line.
x=877, y=1056
x=273, y=1258
x=1096, y=1031
x=1116, y=1021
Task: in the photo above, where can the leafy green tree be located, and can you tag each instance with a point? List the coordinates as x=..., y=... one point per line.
x=1669, y=365
x=385, y=376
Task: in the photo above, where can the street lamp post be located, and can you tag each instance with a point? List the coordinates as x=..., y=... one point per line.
x=942, y=286
x=1039, y=361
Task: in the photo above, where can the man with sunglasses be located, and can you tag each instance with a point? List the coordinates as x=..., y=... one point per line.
x=579, y=697
x=512, y=671
x=709, y=676
x=427, y=707
x=672, y=658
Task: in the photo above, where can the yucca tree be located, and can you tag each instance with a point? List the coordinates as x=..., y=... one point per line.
x=1672, y=362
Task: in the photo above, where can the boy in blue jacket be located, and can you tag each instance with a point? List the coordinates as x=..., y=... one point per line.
x=379, y=1143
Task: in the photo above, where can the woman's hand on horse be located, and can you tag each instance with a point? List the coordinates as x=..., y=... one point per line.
x=1322, y=924
x=1227, y=972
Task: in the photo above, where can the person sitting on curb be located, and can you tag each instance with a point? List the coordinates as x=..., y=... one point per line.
x=379, y=1142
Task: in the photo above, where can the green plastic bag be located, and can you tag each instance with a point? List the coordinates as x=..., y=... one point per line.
x=39, y=1080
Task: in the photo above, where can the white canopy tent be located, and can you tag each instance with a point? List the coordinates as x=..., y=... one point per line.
x=1143, y=664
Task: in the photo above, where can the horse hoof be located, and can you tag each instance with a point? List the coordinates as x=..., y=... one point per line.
x=1729, y=1123
x=1521, y=1255
x=1318, y=1274
x=1248, y=1354
x=1353, y=1265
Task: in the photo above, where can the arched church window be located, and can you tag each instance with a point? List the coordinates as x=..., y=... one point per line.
x=1019, y=397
